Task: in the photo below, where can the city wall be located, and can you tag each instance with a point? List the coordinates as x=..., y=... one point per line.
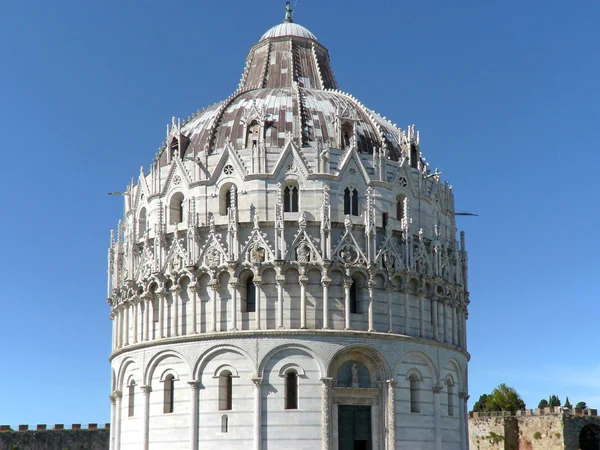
x=55, y=438
x=539, y=429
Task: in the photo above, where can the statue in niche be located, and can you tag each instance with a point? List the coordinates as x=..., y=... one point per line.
x=303, y=254
x=302, y=220
x=354, y=369
x=421, y=266
x=176, y=263
x=347, y=222
x=257, y=255
x=388, y=260
x=348, y=254
x=213, y=258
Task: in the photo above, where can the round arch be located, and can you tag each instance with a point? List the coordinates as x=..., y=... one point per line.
x=209, y=354
x=370, y=357
x=295, y=346
x=155, y=361
x=435, y=376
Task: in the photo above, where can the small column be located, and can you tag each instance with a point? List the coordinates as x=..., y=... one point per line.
x=303, y=280
x=391, y=414
x=113, y=420
x=257, y=412
x=406, y=314
x=117, y=314
x=175, y=291
x=114, y=330
x=280, y=280
x=371, y=326
x=257, y=285
x=443, y=321
x=162, y=298
x=437, y=417
x=126, y=330
x=146, y=418
x=454, y=326
x=421, y=316
x=118, y=396
x=194, y=290
x=462, y=408
x=147, y=305
x=135, y=309
x=434, y=325
x=347, y=283
x=389, y=289
x=195, y=386
x=325, y=282
x=233, y=284
x=214, y=286
x=326, y=413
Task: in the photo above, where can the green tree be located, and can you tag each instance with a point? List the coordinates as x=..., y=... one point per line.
x=553, y=401
x=479, y=405
x=504, y=398
x=581, y=405
x=543, y=403
x=568, y=404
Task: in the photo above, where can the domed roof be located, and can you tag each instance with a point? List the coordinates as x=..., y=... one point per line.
x=288, y=29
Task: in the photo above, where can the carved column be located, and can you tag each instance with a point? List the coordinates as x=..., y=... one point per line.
x=462, y=407
x=195, y=386
x=325, y=282
x=135, y=307
x=114, y=330
x=454, y=325
x=146, y=418
x=280, y=280
x=126, y=330
x=406, y=312
x=117, y=396
x=257, y=285
x=370, y=307
x=303, y=280
x=147, y=298
x=347, y=284
x=162, y=298
x=233, y=284
x=326, y=413
x=193, y=287
x=257, y=412
x=437, y=417
x=391, y=413
x=214, y=286
x=434, y=324
x=421, y=316
x=176, y=295
x=389, y=289
x=117, y=314
x=442, y=306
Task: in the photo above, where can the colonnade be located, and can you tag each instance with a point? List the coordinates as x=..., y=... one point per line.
x=136, y=321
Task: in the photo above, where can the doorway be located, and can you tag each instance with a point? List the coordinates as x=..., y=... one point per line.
x=589, y=437
x=354, y=427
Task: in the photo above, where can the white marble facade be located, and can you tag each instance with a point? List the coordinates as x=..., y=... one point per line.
x=288, y=259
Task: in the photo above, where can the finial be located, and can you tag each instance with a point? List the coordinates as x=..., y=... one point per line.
x=288, y=13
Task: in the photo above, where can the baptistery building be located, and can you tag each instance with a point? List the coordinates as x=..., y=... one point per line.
x=287, y=275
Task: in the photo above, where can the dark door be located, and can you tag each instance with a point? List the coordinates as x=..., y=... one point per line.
x=354, y=427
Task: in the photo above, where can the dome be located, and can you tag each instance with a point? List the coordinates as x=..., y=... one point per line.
x=288, y=29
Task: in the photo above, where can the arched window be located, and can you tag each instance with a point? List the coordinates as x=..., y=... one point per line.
x=400, y=207
x=351, y=201
x=131, y=398
x=291, y=390
x=225, y=390
x=252, y=134
x=174, y=147
x=415, y=393
x=347, y=134
x=224, y=423
x=414, y=156
x=142, y=223
x=449, y=386
x=353, y=297
x=250, y=295
x=229, y=199
x=169, y=394
x=176, y=208
x=290, y=199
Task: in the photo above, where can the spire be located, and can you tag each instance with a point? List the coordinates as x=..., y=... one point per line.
x=288, y=13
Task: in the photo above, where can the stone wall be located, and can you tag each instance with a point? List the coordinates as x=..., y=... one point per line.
x=76, y=438
x=549, y=429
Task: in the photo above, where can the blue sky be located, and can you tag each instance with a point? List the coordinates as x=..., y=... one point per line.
x=505, y=95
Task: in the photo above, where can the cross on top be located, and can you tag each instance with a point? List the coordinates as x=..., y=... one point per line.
x=288, y=13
